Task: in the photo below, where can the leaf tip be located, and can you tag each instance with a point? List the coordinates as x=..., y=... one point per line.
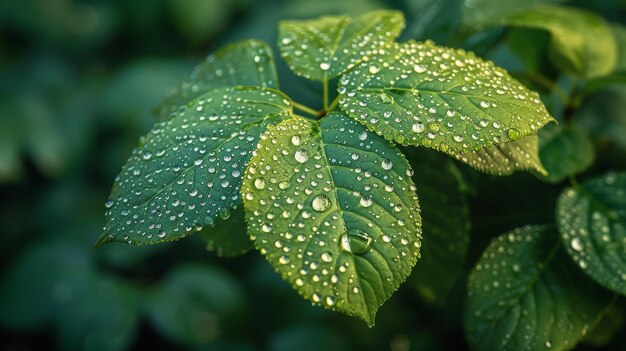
x=102, y=240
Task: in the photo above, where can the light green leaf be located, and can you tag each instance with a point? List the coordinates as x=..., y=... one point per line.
x=442, y=98
x=619, y=32
x=565, y=151
x=244, y=63
x=187, y=170
x=478, y=13
x=506, y=158
x=592, y=223
x=524, y=294
x=582, y=41
x=228, y=238
x=326, y=47
x=333, y=209
x=195, y=304
x=445, y=224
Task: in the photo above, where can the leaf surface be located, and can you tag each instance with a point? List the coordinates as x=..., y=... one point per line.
x=326, y=47
x=525, y=294
x=565, y=151
x=333, y=209
x=442, y=98
x=592, y=222
x=244, y=63
x=506, y=158
x=186, y=172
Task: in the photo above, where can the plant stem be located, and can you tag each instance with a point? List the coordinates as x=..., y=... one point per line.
x=550, y=85
x=306, y=109
x=325, y=93
x=333, y=104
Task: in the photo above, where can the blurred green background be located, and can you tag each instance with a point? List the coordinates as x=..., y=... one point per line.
x=79, y=81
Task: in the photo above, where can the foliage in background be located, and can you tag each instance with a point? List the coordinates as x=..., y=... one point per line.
x=74, y=103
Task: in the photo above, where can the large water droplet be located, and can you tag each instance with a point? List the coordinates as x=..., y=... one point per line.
x=366, y=201
x=324, y=66
x=576, y=244
x=514, y=134
x=386, y=164
x=301, y=156
x=321, y=203
x=259, y=183
x=356, y=241
x=327, y=256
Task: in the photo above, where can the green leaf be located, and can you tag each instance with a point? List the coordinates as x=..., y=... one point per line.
x=564, y=151
x=582, y=41
x=442, y=98
x=326, y=47
x=479, y=13
x=592, y=223
x=506, y=158
x=619, y=32
x=244, y=63
x=524, y=294
x=228, y=238
x=445, y=224
x=603, y=114
x=333, y=209
x=186, y=172
x=194, y=304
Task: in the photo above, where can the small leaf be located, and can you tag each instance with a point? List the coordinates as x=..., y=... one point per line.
x=565, y=151
x=445, y=224
x=524, y=294
x=326, y=47
x=187, y=171
x=582, y=42
x=244, y=63
x=333, y=209
x=195, y=304
x=445, y=99
x=228, y=238
x=506, y=158
x=592, y=223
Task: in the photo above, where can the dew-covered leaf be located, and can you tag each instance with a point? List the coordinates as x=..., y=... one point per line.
x=442, y=98
x=592, y=222
x=564, y=151
x=195, y=304
x=445, y=224
x=326, y=47
x=186, y=172
x=333, y=209
x=244, y=63
x=506, y=158
x=228, y=237
x=525, y=294
x=582, y=42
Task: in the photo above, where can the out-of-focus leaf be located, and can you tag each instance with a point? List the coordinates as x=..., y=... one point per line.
x=323, y=48
x=244, y=63
x=441, y=98
x=41, y=282
x=525, y=294
x=592, y=222
x=186, y=173
x=432, y=19
x=341, y=202
x=103, y=317
x=228, y=238
x=506, y=158
x=608, y=328
x=620, y=37
x=200, y=20
x=195, y=304
x=582, y=42
x=445, y=224
x=479, y=13
x=565, y=151
x=604, y=114
x=309, y=338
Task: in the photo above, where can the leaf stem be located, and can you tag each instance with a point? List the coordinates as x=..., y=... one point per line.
x=306, y=109
x=325, y=93
x=550, y=85
x=333, y=104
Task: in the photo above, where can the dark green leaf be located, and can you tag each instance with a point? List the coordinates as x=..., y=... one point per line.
x=442, y=98
x=323, y=48
x=506, y=158
x=478, y=13
x=445, y=224
x=186, y=173
x=228, y=238
x=565, y=151
x=244, y=63
x=592, y=223
x=582, y=41
x=194, y=304
x=524, y=294
x=604, y=114
x=333, y=209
